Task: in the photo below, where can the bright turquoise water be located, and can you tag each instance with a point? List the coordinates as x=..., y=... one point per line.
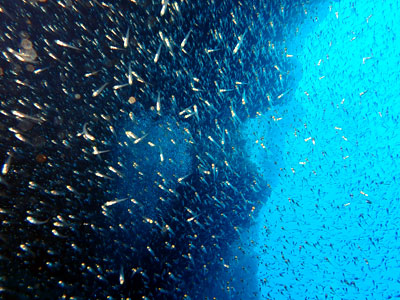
x=330, y=228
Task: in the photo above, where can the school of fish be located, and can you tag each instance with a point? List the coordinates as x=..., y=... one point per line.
x=123, y=138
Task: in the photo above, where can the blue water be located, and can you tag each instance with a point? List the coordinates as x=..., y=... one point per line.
x=329, y=229
x=256, y=161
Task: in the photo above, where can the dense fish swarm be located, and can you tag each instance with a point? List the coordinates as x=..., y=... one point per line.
x=125, y=173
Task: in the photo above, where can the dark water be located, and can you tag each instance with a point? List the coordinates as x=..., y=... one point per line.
x=181, y=214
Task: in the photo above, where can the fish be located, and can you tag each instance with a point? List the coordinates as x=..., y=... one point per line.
x=63, y=44
x=158, y=104
x=164, y=7
x=6, y=165
x=138, y=140
x=130, y=175
x=184, y=41
x=2, y=10
x=157, y=56
x=112, y=202
x=92, y=73
x=34, y=221
x=121, y=276
x=130, y=80
x=99, y=90
x=239, y=44
x=120, y=86
x=97, y=152
x=125, y=38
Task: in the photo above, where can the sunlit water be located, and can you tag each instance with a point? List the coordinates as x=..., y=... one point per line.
x=329, y=229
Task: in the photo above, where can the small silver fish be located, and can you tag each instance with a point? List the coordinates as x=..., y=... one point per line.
x=99, y=90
